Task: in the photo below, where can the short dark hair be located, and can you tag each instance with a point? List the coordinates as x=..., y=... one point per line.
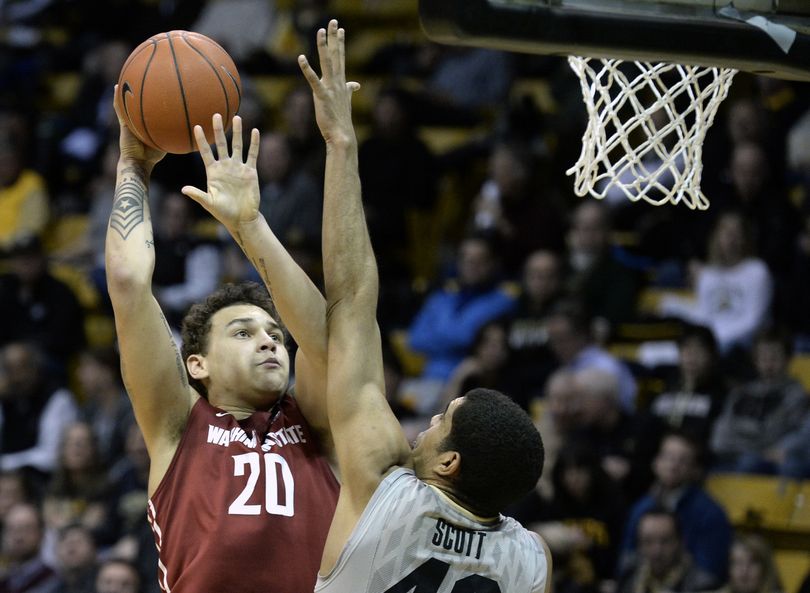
x=776, y=335
x=501, y=451
x=120, y=561
x=197, y=322
x=701, y=334
x=658, y=510
x=692, y=440
x=575, y=313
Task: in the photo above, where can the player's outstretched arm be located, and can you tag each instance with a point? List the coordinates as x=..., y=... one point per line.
x=233, y=199
x=153, y=370
x=368, y=438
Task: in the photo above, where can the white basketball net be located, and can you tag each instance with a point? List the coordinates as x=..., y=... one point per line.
x=646, y=126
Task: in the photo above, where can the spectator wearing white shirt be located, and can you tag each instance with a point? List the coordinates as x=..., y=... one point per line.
x=733, y=290
x=33, y=411
x=188, y=267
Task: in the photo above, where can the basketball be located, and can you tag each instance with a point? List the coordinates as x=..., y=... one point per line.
x=174, y=81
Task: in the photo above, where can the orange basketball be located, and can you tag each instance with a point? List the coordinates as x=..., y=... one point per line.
x=174, y=81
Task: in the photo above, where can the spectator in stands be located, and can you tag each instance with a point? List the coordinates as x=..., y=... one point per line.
x=37, y=307
x=608, y=289
x=26, y=571
x=561, y=416
x=129, y=479
x=581, y=523
x=79, y=489
x=399, y=175
x=15, y=488
x=758, y=415
x=513, y=204
x=298, y=123
x=76, y=559
x=662, y=563
x=704, y=527
x=24, y=208
x=189, y=266
x=242, y=27
x=105, y=405
x=82, y=145
x=751, y=567
x=760, y=197
x=541, y=289
x=796, y=288
x=489, y=365
x=792, y=456
x=569, y=335
x=733, y=291
x=693, y=398
x=117, y=576
x=291, y=198
x=446, y=326
x=612, y=433
x=35, y=410
x=461, y=84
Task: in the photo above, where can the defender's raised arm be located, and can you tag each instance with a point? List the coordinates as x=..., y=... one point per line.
x=368, y=438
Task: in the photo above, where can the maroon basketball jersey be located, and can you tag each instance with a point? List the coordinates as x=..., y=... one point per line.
x=245, y=505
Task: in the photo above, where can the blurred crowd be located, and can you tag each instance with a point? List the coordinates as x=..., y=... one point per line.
x=652, y=345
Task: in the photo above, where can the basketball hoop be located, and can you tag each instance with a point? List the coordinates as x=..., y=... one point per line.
x=646, y=127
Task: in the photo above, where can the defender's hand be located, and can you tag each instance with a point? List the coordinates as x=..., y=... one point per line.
x=332, y=94
x=233, y=184
x=133, y=151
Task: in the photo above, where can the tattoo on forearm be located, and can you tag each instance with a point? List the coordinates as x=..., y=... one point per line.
x=262, y=269
x=129, y=204
x=178, y=359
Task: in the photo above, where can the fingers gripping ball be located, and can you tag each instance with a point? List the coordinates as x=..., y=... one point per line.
x=174, y=81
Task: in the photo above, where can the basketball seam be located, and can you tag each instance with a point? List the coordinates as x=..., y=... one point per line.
x=140, y=99
x=182, y=93
x=221, y=84
x=235, y=86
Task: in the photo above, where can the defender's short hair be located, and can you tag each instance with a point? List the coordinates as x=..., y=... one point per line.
x=501, y=451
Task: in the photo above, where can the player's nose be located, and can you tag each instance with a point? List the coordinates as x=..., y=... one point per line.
x=266, y=342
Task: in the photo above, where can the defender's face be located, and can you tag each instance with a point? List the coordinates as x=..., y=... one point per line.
x=246, y=359
x=427, y=444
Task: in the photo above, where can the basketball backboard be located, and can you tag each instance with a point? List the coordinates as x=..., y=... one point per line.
x=770, y=37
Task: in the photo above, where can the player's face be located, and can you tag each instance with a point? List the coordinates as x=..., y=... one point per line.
x=246, y=359
x=426, y=447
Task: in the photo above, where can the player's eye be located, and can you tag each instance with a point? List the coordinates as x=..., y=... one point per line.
x=242, y=333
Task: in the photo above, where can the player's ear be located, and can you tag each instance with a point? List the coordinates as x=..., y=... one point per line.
x=448, y=464
x=197, y=366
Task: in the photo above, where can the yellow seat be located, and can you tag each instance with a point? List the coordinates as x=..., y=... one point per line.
x=755, y=500
x=800, y=369
x=66, y=232
x=411, y=361
x=792, y=566
x=81, y=285
x=539, y=90
x=273, y=89
x=649, y=300
x=800, y=515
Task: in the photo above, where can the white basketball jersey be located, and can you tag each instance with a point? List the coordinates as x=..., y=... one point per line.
x=411, y=538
